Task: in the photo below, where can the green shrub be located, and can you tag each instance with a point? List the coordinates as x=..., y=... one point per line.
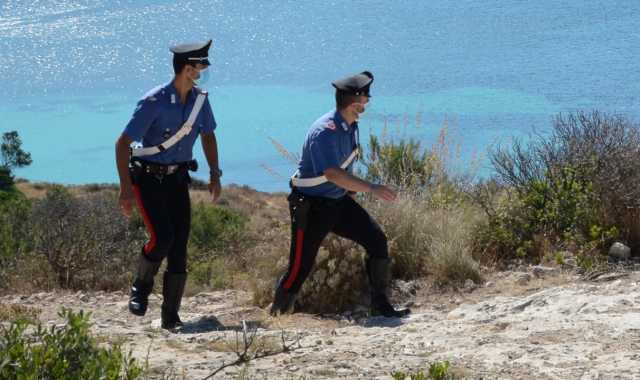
x=217, y=242
x=567, y=190
x=409, y=233
x=14, y=231
x=67, y=352
x=212, y=274
x=428, y=239
x=6, y=179
x=437, y=371
x=401, y=163
x=440, y=371
x=11, y=156
x=86, y=240
x=216, y=229
x=18, y=313
x=561, y=209
x=428, y=227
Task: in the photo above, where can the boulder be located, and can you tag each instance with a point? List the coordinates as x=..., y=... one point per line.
x=619, y=251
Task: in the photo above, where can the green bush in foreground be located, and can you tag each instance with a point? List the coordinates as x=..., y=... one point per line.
x=68, y=352
x=437, y=371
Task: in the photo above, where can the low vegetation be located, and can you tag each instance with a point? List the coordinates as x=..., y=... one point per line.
x=567, y=193
x=437, y=371
x=68, y=352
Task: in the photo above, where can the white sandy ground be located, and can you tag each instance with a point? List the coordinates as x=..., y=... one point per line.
x=540, y=325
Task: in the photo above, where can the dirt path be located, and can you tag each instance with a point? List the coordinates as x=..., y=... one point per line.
x=520, y=325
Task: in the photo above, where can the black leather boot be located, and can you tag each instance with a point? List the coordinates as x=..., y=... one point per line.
x=283, y=301
x=172, y=290
x=379, y=279
x=142, y=286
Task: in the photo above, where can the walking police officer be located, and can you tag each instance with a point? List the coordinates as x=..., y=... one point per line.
x=320, y=201
x=167, y=120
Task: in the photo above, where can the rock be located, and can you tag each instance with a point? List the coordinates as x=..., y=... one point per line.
x=406, y=288
x=39, y=296
x=540, y=271
x=343, y=371
x=469, y=285
x=570, y=261
x=489, y=284
x=619, y=251
x=521, y=278
x=322, y=370
x=606, y=277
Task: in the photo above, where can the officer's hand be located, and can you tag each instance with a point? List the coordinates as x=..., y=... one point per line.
x=383, y=192
x=126, y=200
x=214, y=187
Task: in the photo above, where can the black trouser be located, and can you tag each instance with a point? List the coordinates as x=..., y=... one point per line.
x=344, y=217
x=166, y=209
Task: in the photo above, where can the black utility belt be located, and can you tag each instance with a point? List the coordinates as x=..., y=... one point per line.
x=297, y=196
x=145, y=167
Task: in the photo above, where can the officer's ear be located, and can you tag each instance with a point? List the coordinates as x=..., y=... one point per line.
x=185, y=69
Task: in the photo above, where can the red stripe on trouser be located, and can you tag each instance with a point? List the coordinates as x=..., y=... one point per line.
x=296, y=261
x=147, y=222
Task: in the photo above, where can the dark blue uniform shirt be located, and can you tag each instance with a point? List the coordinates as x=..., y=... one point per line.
x=159, y=115
x=329, y=142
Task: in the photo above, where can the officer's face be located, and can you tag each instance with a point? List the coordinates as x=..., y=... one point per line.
x=193, y=72
x=358, y=107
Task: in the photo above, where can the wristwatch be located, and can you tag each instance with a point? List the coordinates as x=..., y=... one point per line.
x=215, y=172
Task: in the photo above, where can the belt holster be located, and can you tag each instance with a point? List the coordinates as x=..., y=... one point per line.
x=300, y=207
x=134, y=173
x=138, y=167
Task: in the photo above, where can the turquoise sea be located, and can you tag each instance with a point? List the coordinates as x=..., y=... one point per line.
x=71, y=72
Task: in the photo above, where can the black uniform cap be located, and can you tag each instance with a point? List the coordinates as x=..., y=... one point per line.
x=356, y=84
x=192, y=53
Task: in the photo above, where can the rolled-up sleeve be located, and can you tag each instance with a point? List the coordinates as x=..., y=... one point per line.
x=207, y=120
x=143, y=116
x=324, y=151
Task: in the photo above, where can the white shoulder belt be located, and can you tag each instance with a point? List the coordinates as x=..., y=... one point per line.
x=183, y=131
x=315, y=181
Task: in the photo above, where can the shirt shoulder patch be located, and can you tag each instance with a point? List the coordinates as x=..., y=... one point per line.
x=331, y=125
x=153, y=94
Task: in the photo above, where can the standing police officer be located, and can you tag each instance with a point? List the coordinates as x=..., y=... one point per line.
x=320, y=201
x=167, y=120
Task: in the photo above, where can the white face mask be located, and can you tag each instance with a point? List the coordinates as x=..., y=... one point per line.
x=202, y=76
x=359, y=109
